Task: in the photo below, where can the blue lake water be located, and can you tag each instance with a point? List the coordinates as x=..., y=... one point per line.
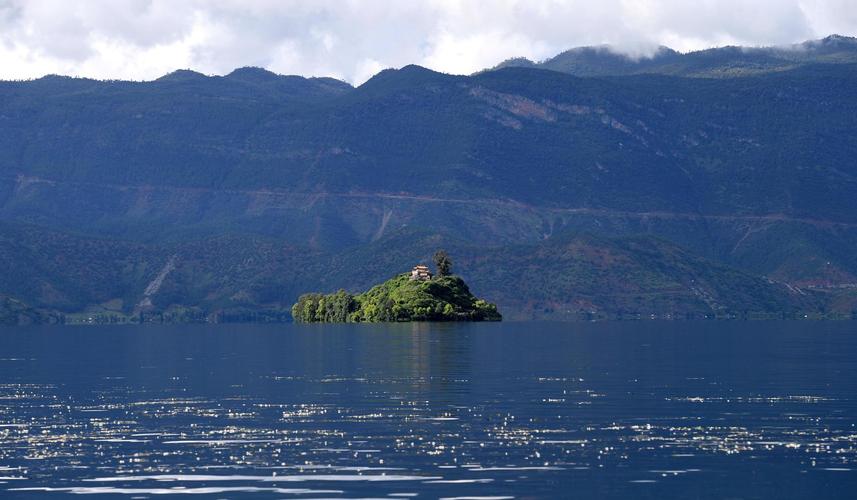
x=508, y=410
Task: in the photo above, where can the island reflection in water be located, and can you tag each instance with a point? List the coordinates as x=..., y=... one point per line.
x=517, y=410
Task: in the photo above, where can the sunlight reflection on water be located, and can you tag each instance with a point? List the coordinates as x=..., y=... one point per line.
x=460, y=411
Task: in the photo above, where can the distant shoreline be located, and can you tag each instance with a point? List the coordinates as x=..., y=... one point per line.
x=98, y=321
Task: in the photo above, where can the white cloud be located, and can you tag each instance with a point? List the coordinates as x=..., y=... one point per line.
x=353, y=39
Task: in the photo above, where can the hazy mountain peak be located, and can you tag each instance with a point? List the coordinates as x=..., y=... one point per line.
x=407, y=76
x=718, y=62
x=514, y=62
x=287, y=83
x=839, y=40
x=182, y=75
x=417, y=69
x=615, y=51
x=253, y=74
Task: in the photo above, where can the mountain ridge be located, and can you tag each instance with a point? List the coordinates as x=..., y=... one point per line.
x=261, y=185
x=717, y=62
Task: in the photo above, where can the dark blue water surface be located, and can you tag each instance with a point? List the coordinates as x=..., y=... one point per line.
x=509, y=410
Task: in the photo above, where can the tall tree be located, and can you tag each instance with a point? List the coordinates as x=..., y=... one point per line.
x=443, y=263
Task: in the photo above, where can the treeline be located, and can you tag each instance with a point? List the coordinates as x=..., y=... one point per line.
x=339, y=307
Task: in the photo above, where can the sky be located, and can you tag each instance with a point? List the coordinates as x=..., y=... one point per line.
x=353, y=39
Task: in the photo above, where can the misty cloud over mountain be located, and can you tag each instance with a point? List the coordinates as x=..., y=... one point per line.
x=143, y=39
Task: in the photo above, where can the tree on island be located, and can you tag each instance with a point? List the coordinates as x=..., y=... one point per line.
x=443, y=263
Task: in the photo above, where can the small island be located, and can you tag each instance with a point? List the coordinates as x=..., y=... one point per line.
x=415, y=296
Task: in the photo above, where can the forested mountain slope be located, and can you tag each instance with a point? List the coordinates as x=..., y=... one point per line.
x=258, y=184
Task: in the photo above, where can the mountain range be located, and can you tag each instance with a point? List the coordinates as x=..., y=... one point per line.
x=721, y=62
x=714, y=183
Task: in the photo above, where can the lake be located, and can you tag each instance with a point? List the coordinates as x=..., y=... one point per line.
x=505, y=410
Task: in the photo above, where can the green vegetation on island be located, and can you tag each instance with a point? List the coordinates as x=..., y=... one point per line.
x=414, y=296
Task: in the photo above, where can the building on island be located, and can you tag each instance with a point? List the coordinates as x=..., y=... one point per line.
x=420, y=273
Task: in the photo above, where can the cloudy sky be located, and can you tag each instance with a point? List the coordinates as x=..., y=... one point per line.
x=354, y=39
